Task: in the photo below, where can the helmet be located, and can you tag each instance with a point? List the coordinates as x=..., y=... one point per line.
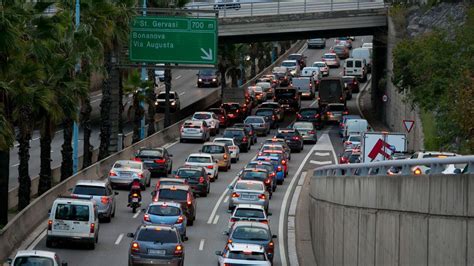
x=136, y=178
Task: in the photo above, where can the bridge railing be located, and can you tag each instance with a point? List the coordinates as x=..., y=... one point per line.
x=436, y=166
x=285, y=7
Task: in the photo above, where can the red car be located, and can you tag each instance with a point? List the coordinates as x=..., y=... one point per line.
x=234, y=111
x=221, y=115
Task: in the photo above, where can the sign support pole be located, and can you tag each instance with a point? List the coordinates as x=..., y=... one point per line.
x=167, y=94
x=143, y=78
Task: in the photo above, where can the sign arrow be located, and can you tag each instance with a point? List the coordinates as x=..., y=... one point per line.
x=207, y=56
x=322, y=153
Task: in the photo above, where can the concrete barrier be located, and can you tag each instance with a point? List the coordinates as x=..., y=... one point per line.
x=30, y=218
x=393, y=220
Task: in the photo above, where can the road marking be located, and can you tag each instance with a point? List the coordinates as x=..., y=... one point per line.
x=313, y=103
x=178, y=77
x=320, y=163
x=340, y=73
x=281, y=231
x=322, y=153
x=302, y=178
x=37, y=240
x=169, y=145
x=182, y=93
x=226, y=199
x=119, y=238
x=201, y=244
x=36, y=138
x=218, y=203
x=136, y=214
x=15, y=165
x=95, y=100
x=216, y=219
x=358, y=98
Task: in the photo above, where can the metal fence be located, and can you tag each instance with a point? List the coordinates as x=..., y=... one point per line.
x=436, y=166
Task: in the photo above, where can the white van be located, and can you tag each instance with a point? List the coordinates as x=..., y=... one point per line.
x=355, y=127
x=75, y=219
x=314, y=72
x=364, y=53
x=356, y=67
x=304, y=85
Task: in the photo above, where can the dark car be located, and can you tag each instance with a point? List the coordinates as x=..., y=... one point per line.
x=310, y=114
x=317, y=43
x=283, y=76
x=351, y=83
x=292, y=137
x=288, y=98
x=269, y=78
x=270, y=115
x=197, y=179
x=221, y=115
x=250, y=131
x=341, y=51
x=234, y=111
x=300, y=58
x=267, y=166
x=240, y=137
x=174, y=102
x=208, y=78
x=156, y=245
x=276, y=106
x=344, y=157
x=158, y=161
x=259, y=174
x=180, y=194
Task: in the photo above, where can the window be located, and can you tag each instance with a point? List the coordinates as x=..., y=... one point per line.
x=207, y=72
x=358, y=63
x=337, y=108
x=349, y=63
x=249, y=186
x=170, y=194
x=89, y=190
x=249, y=213
x=233, y=133
x=246, y=255
x=33, y=260
x=254, y=120
x=251, y=233
x=285, y=93
x=264, y=112
x=251, y=175
x=72, y=212
x=199, y=159
x=128, y=164
x=191, y=125
x=201, y=116
x=151, y=153
x=159, y=236
x=164, y=210
x=189, y=174
x=212, y=149
x=162, y=96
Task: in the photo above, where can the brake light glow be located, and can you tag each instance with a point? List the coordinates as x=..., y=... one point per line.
x=279, y=168
x=296, y=138
x=299, y=116
x=262, y=196
x=235, y=195
x=210, y=167
x=104, y=200
x=417, y=171
x=112, y=173
x=272, y=174
x=178, y=250
x=160, y=161
x=225, y=156
x=50, y=224
x=135, y=247
x=267, y=181
x=233, y=220
x=271, y=247
x=283, y=162
x=311, y=132
x=92, y=228
x=140, y=175
x=180, y=219
x=137, y=159
x=201, y=179
x=244, y=139
x=189, y=201
x=135, y=195
x=146, y=217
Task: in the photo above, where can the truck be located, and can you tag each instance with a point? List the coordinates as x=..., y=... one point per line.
x=331, y=90
x=380, y=146
x=355, y=127
x=305, y=86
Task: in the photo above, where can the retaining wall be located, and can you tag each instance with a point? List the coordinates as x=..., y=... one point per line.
x=393, y=220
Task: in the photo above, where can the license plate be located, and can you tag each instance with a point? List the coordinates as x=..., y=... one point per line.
x=135, y=200
x=157, y=251
x=247, y=197
x=285, y=105
x=150, y=162
x=61, y=227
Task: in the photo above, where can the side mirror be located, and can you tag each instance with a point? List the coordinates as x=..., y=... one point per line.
x=229, y=211
x=269, y=214
x=230, y=187
x=219, y=253
x=143, y=210
x=49, y=212
x=116, y=193
x=64, y=264
x=274, y=236
x=185, y=238
x=131, y=235
x=170, y=155
x=9, y=261
x=225, y=233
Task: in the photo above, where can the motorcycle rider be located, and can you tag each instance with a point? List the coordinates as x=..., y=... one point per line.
x=135, y=187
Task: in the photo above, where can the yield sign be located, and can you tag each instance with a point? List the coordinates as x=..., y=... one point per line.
x=408, y=124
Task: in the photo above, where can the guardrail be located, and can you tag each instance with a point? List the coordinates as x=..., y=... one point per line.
x=285, y=7
x=380, y=168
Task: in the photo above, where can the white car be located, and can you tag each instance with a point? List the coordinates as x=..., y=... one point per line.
x=352, y=142
x=292, y=66
x=323, y=67
x=211, y=120
x=243, y=254
x=424, y=169
x=233, y=148
x=248, y=212
x=36, y=257
x=194, y=130
x=206, y=161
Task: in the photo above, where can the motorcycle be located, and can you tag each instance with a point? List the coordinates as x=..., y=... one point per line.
x=135, y=202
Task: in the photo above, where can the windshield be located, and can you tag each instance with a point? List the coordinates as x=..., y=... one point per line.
x=252, y=213
x=213, y=149
x=319, y=64
x=33, y=261
x=267, y=167
x=191, y=125
x=226, y=142
x=338, y=108
x=231, y=107
x=249, y=186
x=163, y=96
x=72, y=212
x=254, y=120
x=251, y=233
x=188, y=173
x=207, y=72
x=173, y=194
x=286, y=134
x=329, y=56
x=307, y=112
x=306, y=126
x=199, y=159
x=264, y=112
x=125, y=164
x=251, y=175
x=339, y=48
x=157, y=236
x=354, y=138
x=89, y=190
x=245, y=255
x=289, y=64
x=150, y=153
x=164, y=210
x=233, y=133
x=285, y=93
x=216, y=111
x=201, y=116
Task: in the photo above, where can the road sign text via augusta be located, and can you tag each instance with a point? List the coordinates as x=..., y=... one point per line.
x=177, y=40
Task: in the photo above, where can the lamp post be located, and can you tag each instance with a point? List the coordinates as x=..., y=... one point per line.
x=75, y=127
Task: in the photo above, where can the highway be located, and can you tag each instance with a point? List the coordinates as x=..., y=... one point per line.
x=184, y=82
x=205, y=236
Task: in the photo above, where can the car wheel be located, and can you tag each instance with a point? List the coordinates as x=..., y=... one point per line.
x=49, y=243
x=203, y=194
x=171, y=168
x=181, y=140
x=233, y=160
x=91, y=246
x=190, y=222
x=208, y=188
x=108, y=218
x=113, y=213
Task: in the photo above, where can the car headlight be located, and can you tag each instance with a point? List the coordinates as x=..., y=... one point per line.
x=173, y=103
x=200, y=80
x=156, y=103
x=214, y=80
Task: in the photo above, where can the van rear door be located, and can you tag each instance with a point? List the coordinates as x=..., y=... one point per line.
x=73, y=219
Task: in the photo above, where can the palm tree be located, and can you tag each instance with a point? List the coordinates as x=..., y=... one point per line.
x=6, y=142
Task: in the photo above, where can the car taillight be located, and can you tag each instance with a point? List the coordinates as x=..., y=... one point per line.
x=283, y=162
x=112, y=173
x=271, y=247
x=340, y=98
x=267, y=181
x=140, y=175
x=319, y=98
x=160, y=161
x=137, y=159
x=92, y=228
x=279, y=168
x=272, y=174
x=146, y=217
x=135, y=247
x=299, y=116
x=225, y=156
x=50, y=224
x=236, y=111
x=180, y=219
x=296, y=138
x=235, y=195
x=264, y=222
x=310, y=84
x=328, y=113
x=345, y=112
x=341, y=125
x=135, y=195
x=244, y=139
x=348, y=143
x=316, y=115
x=104, y=200
x=273, y=117
x=210, y=167
x=189, y=201
x=311, y=132
x=262, y=196
x=178, y=250
x=233, y=220
x=417, y=171
x=201, y=179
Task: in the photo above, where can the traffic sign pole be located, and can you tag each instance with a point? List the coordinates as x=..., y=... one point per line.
x=143, y=78
x=167, y=94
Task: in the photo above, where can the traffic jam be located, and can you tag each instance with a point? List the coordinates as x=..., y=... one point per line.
x=245, y=150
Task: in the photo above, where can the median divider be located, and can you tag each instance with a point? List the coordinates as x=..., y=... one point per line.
x=26, y=221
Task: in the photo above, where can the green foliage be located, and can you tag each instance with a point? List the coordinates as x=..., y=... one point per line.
x=437, y=71
x=398, y=13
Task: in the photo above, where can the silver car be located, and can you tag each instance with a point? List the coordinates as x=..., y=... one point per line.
x=334, y=112
x=195, y=130
x=249, y=192
x=260, y=125
x=101, y=191
x=307, y=131
x=124, y=171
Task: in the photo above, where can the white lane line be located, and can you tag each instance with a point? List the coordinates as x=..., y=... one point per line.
x=320, y=163
x=218, y=203
x=36, y=138
x=181, y=93
x=216, y=219
x=15, y=165
x=302, y=178
x=281, y=227
x=136, y=214
x=37, y=240
x=313, y=103
x=169, y=145
x=322, y=153
x=178, y=77
x=201, y=244
x=358, y=96
x=119, y=238
x=226, y=199
x=96, y=100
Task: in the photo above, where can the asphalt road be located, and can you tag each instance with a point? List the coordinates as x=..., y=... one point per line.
x=184, y=82
x=205, y=236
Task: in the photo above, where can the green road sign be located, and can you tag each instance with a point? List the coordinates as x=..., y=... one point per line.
x=177, y=40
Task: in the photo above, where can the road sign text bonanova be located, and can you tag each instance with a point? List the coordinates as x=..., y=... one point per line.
x=173, y=40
